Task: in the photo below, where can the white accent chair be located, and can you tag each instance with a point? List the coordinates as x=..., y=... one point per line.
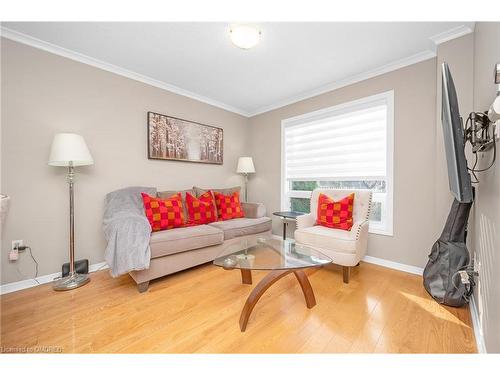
x=345, y=248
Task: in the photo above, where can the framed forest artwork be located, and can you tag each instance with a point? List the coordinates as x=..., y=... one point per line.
x=171, y=138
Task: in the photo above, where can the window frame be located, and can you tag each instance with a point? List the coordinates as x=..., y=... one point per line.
x=388, y=97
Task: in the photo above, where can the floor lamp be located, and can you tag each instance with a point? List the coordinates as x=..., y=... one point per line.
x=69, y=150
x=245, y=166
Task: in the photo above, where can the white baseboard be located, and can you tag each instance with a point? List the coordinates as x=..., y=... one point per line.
x=394, y=265
x=29, y=283
x=385, y=263
x=476, y=324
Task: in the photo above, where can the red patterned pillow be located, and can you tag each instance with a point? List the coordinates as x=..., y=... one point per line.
x=200, y=210
x=228, y=206
x=163, y=213
x=333, y=214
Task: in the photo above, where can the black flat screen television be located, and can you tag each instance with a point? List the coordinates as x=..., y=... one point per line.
x=453, y=132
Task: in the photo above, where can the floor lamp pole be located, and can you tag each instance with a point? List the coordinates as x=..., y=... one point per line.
x=246, y=187
x=74, y=279
x=71, y=175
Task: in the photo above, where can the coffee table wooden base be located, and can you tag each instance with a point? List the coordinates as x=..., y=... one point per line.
x=265, y=283
x=246, y=276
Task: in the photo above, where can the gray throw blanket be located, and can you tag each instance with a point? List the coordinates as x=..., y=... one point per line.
x=127, y=230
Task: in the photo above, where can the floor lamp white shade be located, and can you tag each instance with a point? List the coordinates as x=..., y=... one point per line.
x=245, y=166
x=70, y=150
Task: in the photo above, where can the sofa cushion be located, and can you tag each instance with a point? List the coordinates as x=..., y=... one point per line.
x=167, y=193
x=228, y=206
x=242, y=227
x=226, y=191
x=184, y=239
x=335, y=214
x=327, y=238
x=163, y=214
x=201, y=210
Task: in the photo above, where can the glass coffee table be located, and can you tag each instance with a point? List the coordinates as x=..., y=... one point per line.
x=280, y=257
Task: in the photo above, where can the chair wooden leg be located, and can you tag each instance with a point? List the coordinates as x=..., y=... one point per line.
x=142, y=287
x=346, y=273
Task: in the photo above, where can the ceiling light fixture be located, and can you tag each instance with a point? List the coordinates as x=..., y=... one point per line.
x=244, y=36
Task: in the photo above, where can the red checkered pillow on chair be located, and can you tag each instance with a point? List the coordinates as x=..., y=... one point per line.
x=333, y=214
x=200, y=210
x=228, y=206
x=163, y=213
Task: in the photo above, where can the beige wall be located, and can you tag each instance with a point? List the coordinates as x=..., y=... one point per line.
x=414, y=157
x=43, y=94
x=110, y=110
x=487, y=205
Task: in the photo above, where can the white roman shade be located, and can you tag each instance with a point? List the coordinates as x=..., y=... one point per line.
x=347, y=146
x=338, y=146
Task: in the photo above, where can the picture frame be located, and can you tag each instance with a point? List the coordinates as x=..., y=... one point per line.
x=173, y=138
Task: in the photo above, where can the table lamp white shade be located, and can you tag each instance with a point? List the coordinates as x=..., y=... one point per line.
x=245, y=165
x=69, y=147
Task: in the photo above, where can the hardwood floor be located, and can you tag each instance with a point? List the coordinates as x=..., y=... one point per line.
x=380, y=310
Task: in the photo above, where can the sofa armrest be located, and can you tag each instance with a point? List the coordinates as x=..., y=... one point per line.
x=361, y=229
x=254, y=210
x=305, y=221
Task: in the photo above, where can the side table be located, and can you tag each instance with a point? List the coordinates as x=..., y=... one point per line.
x=287, y=215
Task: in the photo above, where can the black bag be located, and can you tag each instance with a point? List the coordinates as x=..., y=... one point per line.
x=448, y=256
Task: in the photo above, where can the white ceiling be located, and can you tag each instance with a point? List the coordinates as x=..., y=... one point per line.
x=293, y=60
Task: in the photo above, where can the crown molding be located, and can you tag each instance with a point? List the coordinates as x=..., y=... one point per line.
x=419, y=57
x=454, y=33
x=395, y=65
x=435, y=40
x=76, y=56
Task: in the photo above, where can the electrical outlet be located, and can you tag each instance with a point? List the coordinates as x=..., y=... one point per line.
x=464, y=276
x=13, y=255
x=477, y=266
x=477, y=263
x=16, y=244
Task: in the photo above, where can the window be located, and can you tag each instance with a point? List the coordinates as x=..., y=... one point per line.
x=349, y=146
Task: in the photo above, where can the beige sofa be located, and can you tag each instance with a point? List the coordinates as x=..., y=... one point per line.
x=177, y=249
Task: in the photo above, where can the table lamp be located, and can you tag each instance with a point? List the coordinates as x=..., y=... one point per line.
x=245, y=166
x=69, y=150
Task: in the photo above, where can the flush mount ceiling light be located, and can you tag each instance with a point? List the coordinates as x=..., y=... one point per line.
x=244, y=36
